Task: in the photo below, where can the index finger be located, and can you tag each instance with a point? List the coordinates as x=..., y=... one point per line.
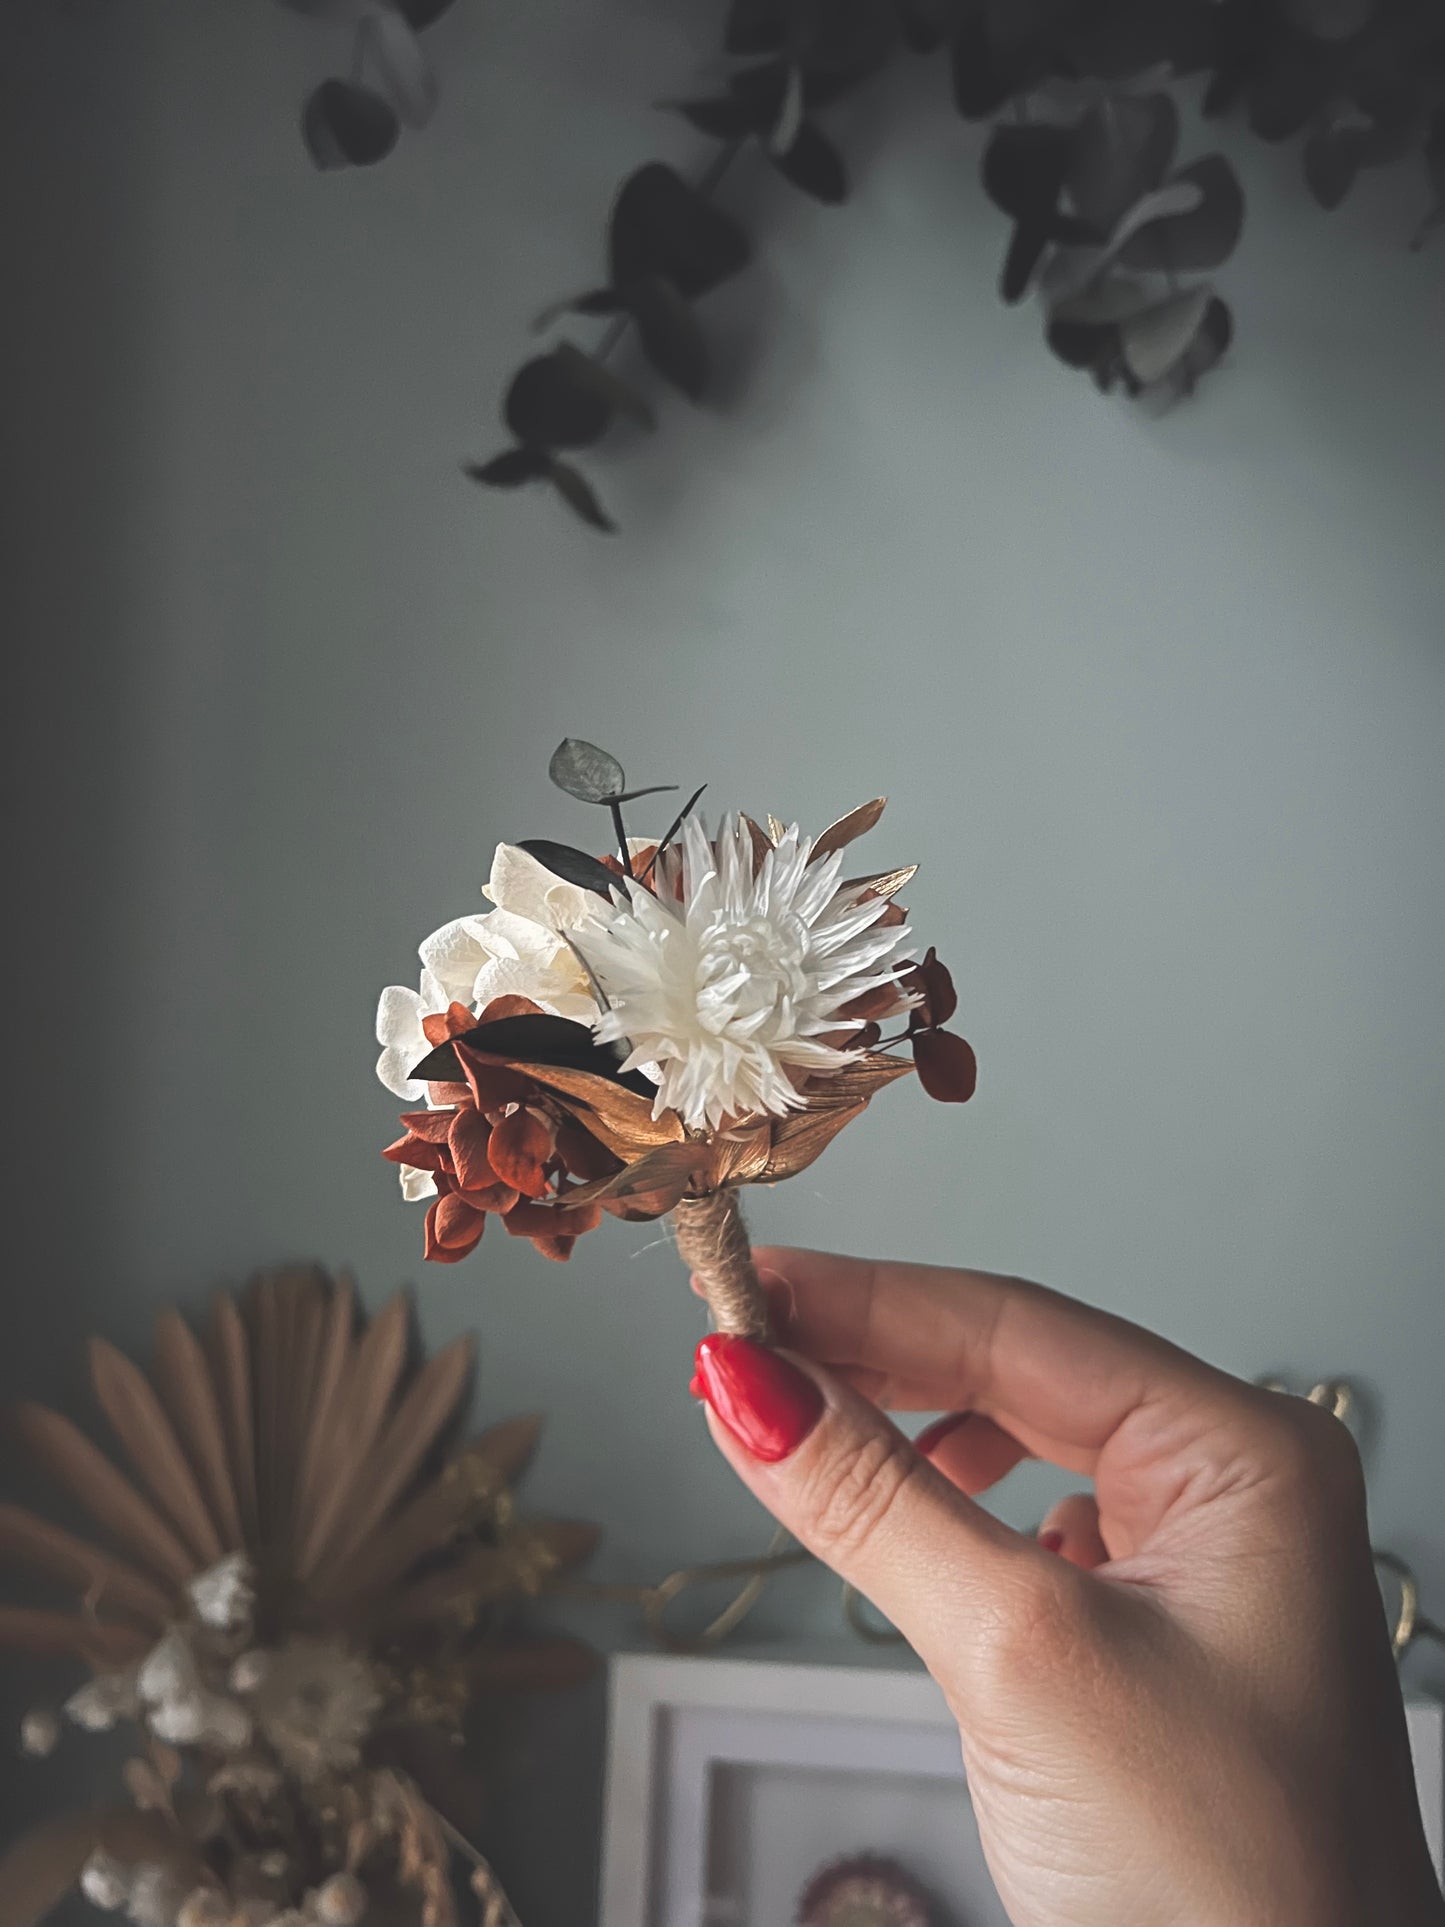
x=1061, y=1376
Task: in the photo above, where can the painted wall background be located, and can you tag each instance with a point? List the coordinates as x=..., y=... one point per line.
x=1159, y=706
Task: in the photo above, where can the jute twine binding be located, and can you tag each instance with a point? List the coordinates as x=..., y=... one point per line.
x=712, y=1240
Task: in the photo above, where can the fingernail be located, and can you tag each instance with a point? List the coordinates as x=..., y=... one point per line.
x=932, y=1436
x=766, y=1403
x=1051, y=1541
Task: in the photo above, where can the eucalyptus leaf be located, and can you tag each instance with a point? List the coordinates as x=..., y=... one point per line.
x=580, y=496
x=663, y=227
x=618, y=396
x=549, y=406
x=1123, y=147
x=1331, y=163
x=813, y=164
x=670, y=336
x=1187, y=239
x=1156, y=340
x=586, y=772
x=392, y=53
x=573, y=866
x=346, y=125
x=788, y=123
x=510, y=469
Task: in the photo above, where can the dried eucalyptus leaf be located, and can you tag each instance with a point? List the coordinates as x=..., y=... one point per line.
x=391, y=51
x=1123, y=147
x=510, y=469
x=1202, y=234
x=788, y=123
x=573, y=866
x=670, y=336
x=346, y=125
x=723, y=118
x=549, y=406
x=661, y=226
x=619, y=396
x=814, y=165
x=1331, y=162
x=1156, y=340
x=586, y=772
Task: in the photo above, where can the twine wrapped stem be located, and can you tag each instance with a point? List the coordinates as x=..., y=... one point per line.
x=712, y=1240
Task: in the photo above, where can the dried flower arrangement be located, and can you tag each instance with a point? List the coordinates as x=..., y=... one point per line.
x=645, y=1032
x=311, y=1587
x=864, y=1891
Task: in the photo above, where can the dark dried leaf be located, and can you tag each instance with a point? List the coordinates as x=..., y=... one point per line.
x=575, y=866
x=424, y=13
x=596, y=378
x=510, y=469
x=947, y=1067
x=725, y=118
x=1331, y=162
x=755, y=27
x=346, y=125
x=663, y=227
x=539, y=1040
x=586, y=772
x=1121, y=148
x=813, y=164
x=670, y=336
x=580, y=496
x=1206, y=236
x=549, y=405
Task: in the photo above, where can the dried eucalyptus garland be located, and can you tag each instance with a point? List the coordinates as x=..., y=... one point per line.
x=356, y=119
x=1115, y=234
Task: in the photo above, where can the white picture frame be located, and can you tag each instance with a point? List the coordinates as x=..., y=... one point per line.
x=845, y=1757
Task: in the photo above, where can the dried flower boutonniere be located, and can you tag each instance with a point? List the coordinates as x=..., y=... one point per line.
x=646, y=1031
x=309, y=1592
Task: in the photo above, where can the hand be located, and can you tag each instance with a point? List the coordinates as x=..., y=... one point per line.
x=1178, y=1706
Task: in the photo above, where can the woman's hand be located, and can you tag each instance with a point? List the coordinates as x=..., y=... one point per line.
x=1178, y=1706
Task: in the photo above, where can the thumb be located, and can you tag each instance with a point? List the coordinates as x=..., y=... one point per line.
x=851, y=1487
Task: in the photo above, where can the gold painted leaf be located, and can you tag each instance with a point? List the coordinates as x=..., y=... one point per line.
x=741, y=1156
x=621, y=1119
x=883, y=883
x=862, y=1079
x=777, y=829
x=848, y=828
x=762, y=842
x=668, y=1172
x=799, y=1139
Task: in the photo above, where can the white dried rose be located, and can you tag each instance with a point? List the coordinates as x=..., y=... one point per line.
x=39, y=1733
x=340, y=1901
x=224, y=1596
x=104, y=1882
x=102, y=1701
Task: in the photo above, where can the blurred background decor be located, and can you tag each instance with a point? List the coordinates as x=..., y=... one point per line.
x=309, y=1603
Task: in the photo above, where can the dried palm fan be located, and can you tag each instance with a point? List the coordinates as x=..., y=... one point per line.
x=305, y=1581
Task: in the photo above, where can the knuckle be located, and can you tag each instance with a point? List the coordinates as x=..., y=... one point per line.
x=853, y=1490
x=1312, y=1453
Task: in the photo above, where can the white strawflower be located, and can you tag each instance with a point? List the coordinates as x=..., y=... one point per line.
x=104, y=1882
x=169, y=1670
x=204, y=1907
x=102, y=1701
x=724, y=993
x=224, y=1596
x=39, y=1733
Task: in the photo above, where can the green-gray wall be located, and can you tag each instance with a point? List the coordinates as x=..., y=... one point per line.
x=1158, y=703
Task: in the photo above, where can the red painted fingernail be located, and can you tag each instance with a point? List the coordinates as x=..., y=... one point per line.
x=932, y=1436
x=1051, y=1541
x=767, y=1404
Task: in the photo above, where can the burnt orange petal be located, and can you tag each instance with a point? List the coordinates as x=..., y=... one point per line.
x=582, y=1154
x=509, y=1006
x=947, y=1067
x=496, y=1197
x=431, y=1125
x=416, y=1152
x=467, y=1141
x=519, y=1149
x=491, y=1084
x=451, y=1022
x=453, y=1229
